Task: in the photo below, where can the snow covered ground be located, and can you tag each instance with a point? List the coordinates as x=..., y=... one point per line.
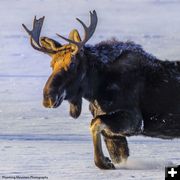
x=47, y=142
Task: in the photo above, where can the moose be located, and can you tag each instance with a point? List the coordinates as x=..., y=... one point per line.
x=130, y=91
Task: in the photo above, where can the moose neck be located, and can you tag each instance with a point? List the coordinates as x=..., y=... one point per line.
x=93, y=75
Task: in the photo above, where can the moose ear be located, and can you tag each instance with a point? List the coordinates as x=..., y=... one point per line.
x=74, y=35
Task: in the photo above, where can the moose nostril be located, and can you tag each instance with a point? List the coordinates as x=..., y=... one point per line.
x=47, y=95
x=47, y=103
x=50, y=103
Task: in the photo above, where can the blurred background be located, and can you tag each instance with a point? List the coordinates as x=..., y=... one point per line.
x=35, y=140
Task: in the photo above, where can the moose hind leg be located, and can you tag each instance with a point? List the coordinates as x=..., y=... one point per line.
x=100, y=160
x=117, y=148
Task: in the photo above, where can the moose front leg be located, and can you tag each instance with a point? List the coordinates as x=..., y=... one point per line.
x=100, y=160
x=117, y=147
x=114, y=127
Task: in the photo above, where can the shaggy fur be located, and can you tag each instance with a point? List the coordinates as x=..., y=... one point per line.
x=109, y=51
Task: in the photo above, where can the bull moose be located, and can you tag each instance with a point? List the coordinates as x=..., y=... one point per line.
x=130, y=91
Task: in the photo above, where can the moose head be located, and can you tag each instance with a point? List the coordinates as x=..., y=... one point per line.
x=67, y=64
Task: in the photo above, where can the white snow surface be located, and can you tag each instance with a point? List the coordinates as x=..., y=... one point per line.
x=35, y=141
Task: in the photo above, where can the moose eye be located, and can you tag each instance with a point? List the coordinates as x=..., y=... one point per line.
x=72, y=66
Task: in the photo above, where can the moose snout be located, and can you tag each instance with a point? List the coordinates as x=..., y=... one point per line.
x=48, y=102
x=53, y=100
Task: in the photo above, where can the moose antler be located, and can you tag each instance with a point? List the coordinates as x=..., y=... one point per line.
x=88, y=31
x=35, y=35
x=50, y=47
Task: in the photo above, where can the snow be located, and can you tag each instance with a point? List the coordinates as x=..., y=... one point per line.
x=47, y=142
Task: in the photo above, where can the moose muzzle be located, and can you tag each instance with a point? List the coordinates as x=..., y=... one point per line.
x=54, y=100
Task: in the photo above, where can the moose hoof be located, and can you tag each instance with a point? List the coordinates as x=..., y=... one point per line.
x=104, y=163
